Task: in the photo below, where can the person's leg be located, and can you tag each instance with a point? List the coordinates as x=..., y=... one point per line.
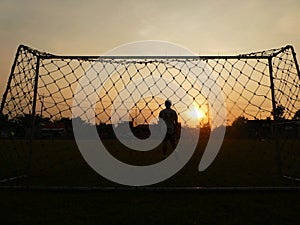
x=173, y=141
x=165, y=145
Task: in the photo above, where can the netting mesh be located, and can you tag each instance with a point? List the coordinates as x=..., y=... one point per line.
x=244, y=80
x=260, y=86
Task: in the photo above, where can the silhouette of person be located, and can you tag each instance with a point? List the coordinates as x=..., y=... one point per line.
x=169, y=116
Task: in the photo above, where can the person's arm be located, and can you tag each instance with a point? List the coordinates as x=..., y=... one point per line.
x=176, y=122
x=177, y=127
x=176, y=119
x=160, y=115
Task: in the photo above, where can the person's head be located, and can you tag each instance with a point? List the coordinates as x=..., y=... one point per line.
x=168, y=103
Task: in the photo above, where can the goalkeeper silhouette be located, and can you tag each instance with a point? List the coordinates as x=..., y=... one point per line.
x=169, y=116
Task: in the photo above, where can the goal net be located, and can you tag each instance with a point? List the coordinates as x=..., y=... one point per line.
x=260, y=92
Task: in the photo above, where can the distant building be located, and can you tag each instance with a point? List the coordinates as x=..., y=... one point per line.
x=50, y=129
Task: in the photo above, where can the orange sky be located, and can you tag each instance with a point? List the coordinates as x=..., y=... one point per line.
x=94, y=27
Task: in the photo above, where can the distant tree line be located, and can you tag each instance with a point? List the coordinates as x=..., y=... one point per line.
x=23, y=126
x=264, y=129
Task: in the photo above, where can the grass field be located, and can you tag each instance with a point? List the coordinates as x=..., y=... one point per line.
x=138, y=207
x=59, y=163
x=239, y=163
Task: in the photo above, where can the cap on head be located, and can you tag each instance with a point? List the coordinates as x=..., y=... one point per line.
x=168, y=103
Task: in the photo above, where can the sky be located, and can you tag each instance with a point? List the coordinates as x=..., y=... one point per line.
x=93, y=27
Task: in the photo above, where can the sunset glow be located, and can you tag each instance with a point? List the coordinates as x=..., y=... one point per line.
x=196, y=114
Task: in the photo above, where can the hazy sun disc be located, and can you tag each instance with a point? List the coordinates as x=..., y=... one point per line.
x=196, y=114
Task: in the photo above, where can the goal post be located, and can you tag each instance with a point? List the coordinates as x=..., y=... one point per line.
x=260, y=91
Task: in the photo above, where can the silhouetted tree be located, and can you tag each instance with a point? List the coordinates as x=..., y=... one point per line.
x=279, y=112
x=238, y=128
x=239, y=122
x=3, y=117
x=297, y=115
x=4, y=122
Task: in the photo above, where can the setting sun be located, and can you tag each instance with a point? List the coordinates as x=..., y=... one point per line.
x=196, y=113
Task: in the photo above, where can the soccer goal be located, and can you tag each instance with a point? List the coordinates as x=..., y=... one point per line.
x=259, y=91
